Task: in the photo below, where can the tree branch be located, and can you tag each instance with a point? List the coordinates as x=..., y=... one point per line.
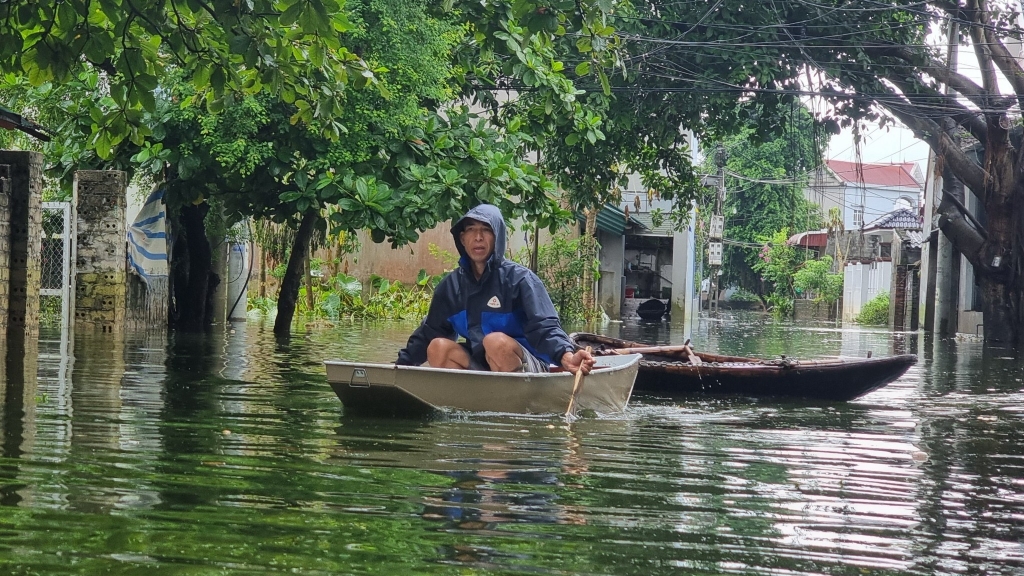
x=1008, y=65
x=972, y=175
x=984, y=55
x=965, y=238
x=963, y=85
x=960, y=114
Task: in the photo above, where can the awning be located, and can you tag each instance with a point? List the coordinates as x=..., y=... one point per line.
x=613, y=221
x=810, y=239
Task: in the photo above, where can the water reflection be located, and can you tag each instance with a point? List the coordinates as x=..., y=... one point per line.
x=228, y=452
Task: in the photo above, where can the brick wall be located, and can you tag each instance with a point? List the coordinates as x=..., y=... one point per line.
x=5, y=245
x=26, y=171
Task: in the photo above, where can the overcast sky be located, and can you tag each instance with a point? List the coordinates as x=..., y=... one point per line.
x=880, y=146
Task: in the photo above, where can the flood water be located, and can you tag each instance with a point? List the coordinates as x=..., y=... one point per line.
x=230, y=454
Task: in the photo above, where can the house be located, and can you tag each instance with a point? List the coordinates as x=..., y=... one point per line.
x=646, y=259
x=865, y=192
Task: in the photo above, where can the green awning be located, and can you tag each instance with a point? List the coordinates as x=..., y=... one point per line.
x=614, y=221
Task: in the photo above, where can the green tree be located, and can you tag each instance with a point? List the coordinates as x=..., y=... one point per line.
x=816, y=276
x=764, y=192
x=777, y=263
x=400, y=168
x=222, y=47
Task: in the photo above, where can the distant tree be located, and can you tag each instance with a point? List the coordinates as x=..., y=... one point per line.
x=765, y=184
x=816, y=276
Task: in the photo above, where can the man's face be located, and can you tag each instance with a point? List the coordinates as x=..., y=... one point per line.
x=478, y=240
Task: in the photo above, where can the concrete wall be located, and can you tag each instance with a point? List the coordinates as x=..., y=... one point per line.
x=611, y=284
x=804, y=309
x=101, y=281
x=683, y=265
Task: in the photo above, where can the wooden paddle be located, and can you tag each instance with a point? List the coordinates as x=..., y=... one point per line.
x=694, y=359
x=577, y=385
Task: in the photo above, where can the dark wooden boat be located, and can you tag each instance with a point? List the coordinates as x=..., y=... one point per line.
x=677, y=370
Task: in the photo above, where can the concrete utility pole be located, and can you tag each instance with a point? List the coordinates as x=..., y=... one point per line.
x=716, y=232
x=946, y=262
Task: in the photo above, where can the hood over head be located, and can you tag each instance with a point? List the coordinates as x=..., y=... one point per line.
x=490, y=215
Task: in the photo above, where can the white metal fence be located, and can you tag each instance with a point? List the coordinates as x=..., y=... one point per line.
x=57, y=254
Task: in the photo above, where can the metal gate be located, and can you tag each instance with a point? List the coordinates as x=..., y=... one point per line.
x=56, y=281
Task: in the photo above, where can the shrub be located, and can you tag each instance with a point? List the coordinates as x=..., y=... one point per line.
x=742, y=295
x=875, y=312
x=815, y=277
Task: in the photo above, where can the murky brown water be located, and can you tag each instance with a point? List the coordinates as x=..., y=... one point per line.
x=229, y=454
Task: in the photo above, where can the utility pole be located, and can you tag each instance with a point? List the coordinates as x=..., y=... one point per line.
x=715, y=233
x=946, y=270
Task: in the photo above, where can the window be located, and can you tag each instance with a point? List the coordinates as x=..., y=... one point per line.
x=885, y=250
x=858, y=216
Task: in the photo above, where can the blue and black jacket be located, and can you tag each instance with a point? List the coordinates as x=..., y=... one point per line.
x=508, y=298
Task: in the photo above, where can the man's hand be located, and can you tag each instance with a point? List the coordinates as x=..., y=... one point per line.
x=581, y=360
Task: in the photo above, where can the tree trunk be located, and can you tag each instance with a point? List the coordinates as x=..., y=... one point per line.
x=194, y=294
x=293, y=275
x=589, y=304
x=535, y=251
x=263, y=272
x=308, y=269
x=998, y=286
x=990, y=249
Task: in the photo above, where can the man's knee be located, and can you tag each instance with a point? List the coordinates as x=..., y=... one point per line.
x=445, y=353
x=504, y=354
x=440, y=346
x=500, y=343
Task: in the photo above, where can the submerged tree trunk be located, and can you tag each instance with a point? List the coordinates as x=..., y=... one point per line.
x=289, y=294
x=989, y=247
x=308, y=271
x=195, y=282
x=589, y=301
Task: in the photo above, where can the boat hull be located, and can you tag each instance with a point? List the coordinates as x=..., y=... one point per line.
x=669, y=373
x=409, y=391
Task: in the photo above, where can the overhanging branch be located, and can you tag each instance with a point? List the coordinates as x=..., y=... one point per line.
x=968, y=171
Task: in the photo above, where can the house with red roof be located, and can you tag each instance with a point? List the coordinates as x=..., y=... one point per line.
x=865, y=192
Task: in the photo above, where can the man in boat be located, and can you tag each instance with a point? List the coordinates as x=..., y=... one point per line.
x=500, y=307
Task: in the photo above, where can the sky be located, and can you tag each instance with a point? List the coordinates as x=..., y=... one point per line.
x=880, y=146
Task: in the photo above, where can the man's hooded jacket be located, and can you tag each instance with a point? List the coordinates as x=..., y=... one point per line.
x=508, y=298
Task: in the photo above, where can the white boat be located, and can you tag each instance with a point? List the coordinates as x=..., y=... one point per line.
x=388, y=389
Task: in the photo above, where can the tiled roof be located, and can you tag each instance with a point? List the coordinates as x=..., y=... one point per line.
x=901, y=218
x=901, y=175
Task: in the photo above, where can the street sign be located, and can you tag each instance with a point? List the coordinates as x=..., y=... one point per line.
x=715, y=253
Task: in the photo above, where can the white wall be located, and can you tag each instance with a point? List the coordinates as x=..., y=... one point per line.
x=861, y=283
